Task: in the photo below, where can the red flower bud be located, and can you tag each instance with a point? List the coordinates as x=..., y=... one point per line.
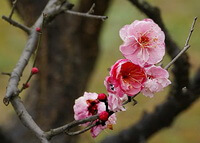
x=103, y=116
x=102, y=97
x=38, y=29
x=26, y=85
x=34, y=70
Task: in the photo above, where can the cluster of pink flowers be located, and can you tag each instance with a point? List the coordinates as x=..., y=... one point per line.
x=143, y=47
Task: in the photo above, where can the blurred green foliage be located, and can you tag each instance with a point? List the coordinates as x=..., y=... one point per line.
x=178, y=16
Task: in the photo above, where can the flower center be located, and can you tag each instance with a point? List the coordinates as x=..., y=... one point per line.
x=132, y=73
x=143, y=41
x=92, y=108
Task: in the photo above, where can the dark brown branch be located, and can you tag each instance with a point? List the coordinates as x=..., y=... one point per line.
x=163, y=116
x=16, y=24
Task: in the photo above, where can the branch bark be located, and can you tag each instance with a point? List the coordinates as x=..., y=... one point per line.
x=75, y=41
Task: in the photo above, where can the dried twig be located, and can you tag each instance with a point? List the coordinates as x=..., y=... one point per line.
x=187, y=46
x=62, y=129
x=51, y=10
x=80, y=131
x=87, y=14
x=6, y=73
x=13, y=9
x=16, y=24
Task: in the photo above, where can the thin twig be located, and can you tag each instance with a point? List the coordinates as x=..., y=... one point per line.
x=38, y=45
x=80, y=131
x=191, y=31
x=91, y=9
x=13, y=9
x=175, y=58
x=52, y=9
x=185, y=47
x=62, y=129
x=6, y=73
x=86, y=15
x=16, y=24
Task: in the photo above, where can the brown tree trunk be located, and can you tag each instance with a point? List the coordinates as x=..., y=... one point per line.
x=66, y=59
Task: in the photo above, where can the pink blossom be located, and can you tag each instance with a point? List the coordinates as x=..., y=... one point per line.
x=143, y=42
x=125, y=78
x=108, y=124
x=88, y=105
x=157, y=80
x=115, y=103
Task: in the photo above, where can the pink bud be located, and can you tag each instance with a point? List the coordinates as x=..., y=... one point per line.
x=34, y=70
x=103, y=116
x=26, y=85
x=38, y=29
x=102, y=97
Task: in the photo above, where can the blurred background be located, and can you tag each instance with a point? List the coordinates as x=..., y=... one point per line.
x=177, y=15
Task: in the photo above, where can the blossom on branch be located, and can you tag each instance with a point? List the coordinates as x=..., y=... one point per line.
x=143, y=42
x=88, y=105
x=115, y=103
x=157, y=80
x=125, y=78
x=107, y=125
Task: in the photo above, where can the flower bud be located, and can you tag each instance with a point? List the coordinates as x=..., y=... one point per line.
x=34, y=70
x=38, y=29
x=103, y=116
x=102, y=97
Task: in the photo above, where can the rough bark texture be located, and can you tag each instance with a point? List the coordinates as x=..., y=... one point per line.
x=66, y=59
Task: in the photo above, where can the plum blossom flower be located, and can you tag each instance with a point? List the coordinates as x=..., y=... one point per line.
x=108, y=124
x=157, y=80
x=88, y=105
x=125, y=78
x=115, y=103
x=143, y=42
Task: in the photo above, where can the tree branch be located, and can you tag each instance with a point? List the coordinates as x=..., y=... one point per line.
x=51, y=10
x=86, y=15
x=26, y=119
x=13, y=8
x=163, y=116
x=16, y=24
x=63, y=129
x=186, y=45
